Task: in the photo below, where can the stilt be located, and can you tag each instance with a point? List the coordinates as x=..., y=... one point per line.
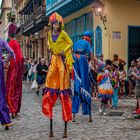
x=74, y=118
x=6, y=127
x=13, y=116
x=65, y=131
x=90, y=118
x=51, y=128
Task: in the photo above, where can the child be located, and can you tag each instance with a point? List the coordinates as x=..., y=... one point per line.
x=132, y=68
x=122, y=79
x=115, y=84
x=105, y=90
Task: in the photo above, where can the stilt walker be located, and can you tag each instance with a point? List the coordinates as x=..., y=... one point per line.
x=82, y=88
x=4, y=111
x=58, y=77
x=14, y=75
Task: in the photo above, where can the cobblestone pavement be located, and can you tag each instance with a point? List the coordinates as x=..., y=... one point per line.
x=32, y=125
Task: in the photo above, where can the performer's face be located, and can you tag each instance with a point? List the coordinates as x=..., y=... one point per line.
x=56, y=26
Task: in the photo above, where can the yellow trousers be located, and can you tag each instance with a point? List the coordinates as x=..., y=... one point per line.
x=58, y=76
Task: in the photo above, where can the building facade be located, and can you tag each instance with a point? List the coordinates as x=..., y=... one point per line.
x=117, y=30
x=6, y=7
x=31, y=18
x=122, y=23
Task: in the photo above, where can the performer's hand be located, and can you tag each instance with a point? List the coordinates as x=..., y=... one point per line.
x=50, y=51
x=14, y=57
x=62, y=53
x=44, y=70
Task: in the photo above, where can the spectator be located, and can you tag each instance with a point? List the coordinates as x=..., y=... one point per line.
x=25, y=71
x=137, y=88
x=42, y=69
x=29, y=72
x=118, y=60
x=33, y=70
x=132, y=68
x=122, y=79
x=115, y=84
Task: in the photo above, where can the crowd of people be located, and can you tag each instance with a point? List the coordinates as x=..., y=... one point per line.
x=92, y=77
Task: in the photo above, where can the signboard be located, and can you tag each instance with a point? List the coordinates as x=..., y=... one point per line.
x=116, y=35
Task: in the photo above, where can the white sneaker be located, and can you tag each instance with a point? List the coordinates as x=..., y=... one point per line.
x=100, y=110
x=104, y=113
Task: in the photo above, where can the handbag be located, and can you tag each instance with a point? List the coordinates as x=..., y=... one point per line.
x=30, y=72
x=34, y=84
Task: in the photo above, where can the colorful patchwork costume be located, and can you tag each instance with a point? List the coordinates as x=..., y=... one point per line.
x=105, y=89
x=4, y=111
x=58, y=77
x=14, y=75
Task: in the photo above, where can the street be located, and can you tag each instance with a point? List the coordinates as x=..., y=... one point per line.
x=32, y=125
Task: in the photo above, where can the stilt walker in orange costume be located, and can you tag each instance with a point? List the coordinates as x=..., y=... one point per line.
x=58, y=77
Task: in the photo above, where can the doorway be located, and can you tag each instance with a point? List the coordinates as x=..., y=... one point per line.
x=133, y=43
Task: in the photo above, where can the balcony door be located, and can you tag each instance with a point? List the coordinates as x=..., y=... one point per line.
x=133, y=43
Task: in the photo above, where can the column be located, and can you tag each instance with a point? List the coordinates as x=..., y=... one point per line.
x=39, y=48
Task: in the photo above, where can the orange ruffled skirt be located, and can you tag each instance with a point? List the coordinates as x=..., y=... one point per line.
x=57, y=85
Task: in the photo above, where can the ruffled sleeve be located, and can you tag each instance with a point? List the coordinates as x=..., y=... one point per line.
x=68, y=51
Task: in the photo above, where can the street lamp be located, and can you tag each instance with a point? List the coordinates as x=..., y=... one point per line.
x=98, y=7
x=36, y=35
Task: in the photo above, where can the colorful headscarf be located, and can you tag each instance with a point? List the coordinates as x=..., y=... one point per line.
x=12, y=30
x=101, y=65
x=56, y=18
x=87, y=36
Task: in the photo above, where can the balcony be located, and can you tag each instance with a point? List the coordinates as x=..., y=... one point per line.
x=66, y=7
x=40, y=14
x=33, y=17
x=29, y=23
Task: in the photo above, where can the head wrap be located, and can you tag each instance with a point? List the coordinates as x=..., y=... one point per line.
x=56, y=18
x=12, y=30
x=87, y=36
x=101, y=65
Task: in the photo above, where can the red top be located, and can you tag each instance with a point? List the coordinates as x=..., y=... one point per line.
x=16, y=48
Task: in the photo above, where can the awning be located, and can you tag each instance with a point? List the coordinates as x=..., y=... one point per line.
x=67, y=7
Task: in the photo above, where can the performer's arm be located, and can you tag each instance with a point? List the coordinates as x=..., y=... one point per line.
x=68, y=41
x=135, y=76
x=9, y=50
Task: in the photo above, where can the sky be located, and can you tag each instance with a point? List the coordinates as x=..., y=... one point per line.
x=0, y=5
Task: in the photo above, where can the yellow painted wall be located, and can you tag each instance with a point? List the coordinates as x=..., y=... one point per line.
x=120, y=14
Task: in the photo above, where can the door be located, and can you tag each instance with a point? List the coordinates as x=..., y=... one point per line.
x=133, y=43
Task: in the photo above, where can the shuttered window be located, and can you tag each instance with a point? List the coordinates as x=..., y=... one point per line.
x=78, y=26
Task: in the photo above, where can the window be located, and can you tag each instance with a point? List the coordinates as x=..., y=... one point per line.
x=77, y=27
x=89, y=22
x=69, y=28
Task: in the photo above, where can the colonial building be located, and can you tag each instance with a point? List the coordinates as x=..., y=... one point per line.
x=5, y=10
x=115, y=24
x=32, y=20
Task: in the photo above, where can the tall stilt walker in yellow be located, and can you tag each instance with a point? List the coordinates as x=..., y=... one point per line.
x=58, y=77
